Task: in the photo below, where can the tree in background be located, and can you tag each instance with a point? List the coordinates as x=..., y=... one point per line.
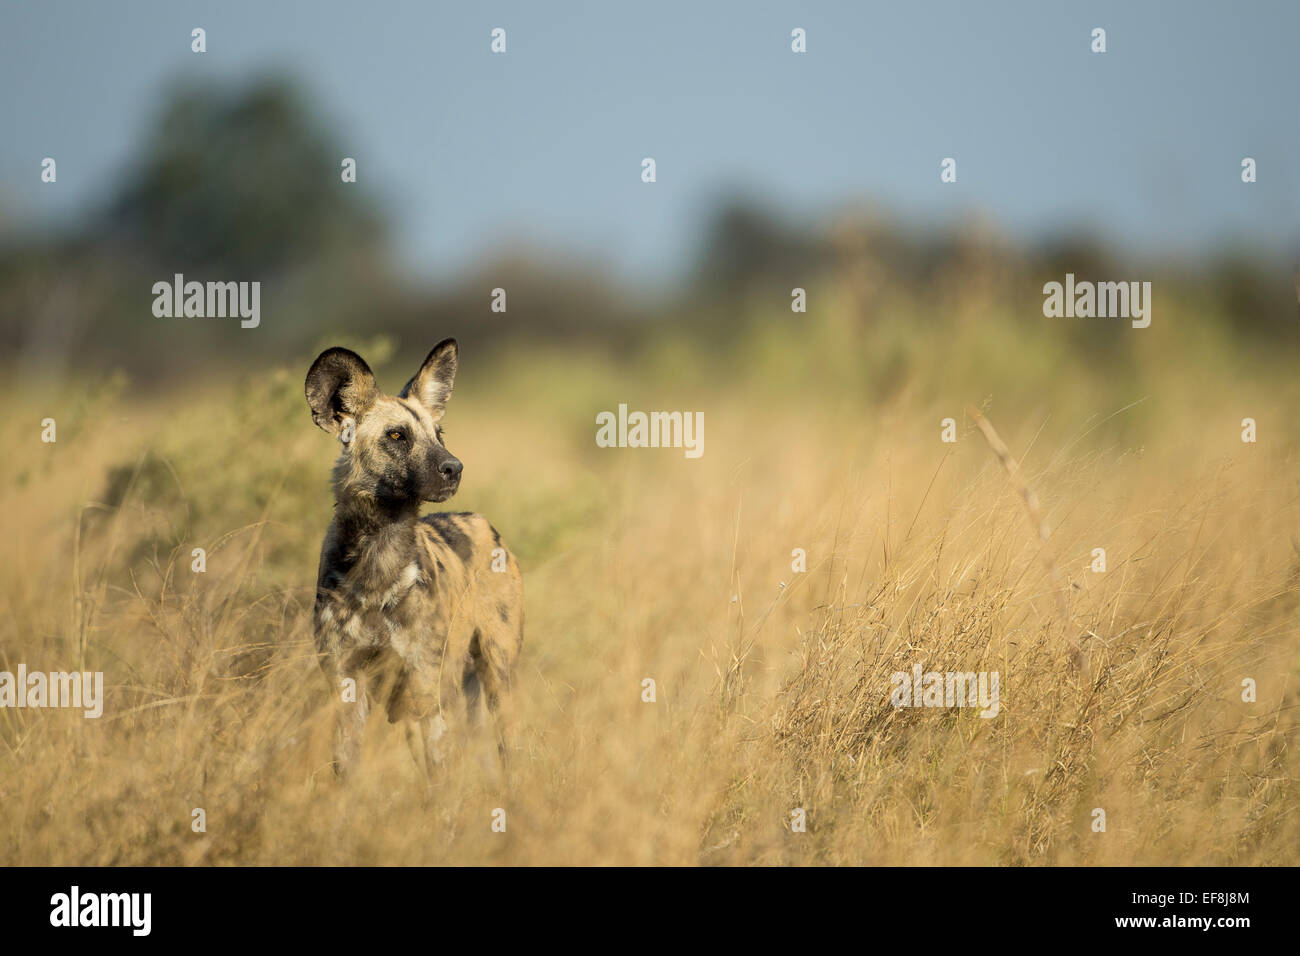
x=236, y=182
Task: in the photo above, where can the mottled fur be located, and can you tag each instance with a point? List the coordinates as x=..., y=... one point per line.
x=424, y=614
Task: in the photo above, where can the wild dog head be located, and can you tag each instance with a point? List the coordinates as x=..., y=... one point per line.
x=393, y=453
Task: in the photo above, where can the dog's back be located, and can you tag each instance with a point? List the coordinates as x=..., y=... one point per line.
x=483, y=602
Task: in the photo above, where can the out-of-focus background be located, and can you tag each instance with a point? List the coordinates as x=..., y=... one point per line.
x=522, y=170
x=775, y=171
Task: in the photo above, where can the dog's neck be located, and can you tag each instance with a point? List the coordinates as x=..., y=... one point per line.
x=369, y=537
x=361, y=518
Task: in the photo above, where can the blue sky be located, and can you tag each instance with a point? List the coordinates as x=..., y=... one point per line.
x=473, y=151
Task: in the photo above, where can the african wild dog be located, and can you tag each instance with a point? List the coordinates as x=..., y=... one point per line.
x=424, y=614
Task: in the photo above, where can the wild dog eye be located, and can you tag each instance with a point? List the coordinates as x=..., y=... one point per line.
x=395, y=435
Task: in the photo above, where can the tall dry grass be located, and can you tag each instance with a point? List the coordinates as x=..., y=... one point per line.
x=772, y=686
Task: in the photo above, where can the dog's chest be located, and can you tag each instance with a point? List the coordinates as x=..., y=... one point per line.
x=360, y=610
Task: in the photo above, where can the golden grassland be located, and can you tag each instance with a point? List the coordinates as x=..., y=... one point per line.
x=772, y=686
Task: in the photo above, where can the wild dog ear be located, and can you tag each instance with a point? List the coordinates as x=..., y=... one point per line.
x=431, y=385
x=340, y=385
